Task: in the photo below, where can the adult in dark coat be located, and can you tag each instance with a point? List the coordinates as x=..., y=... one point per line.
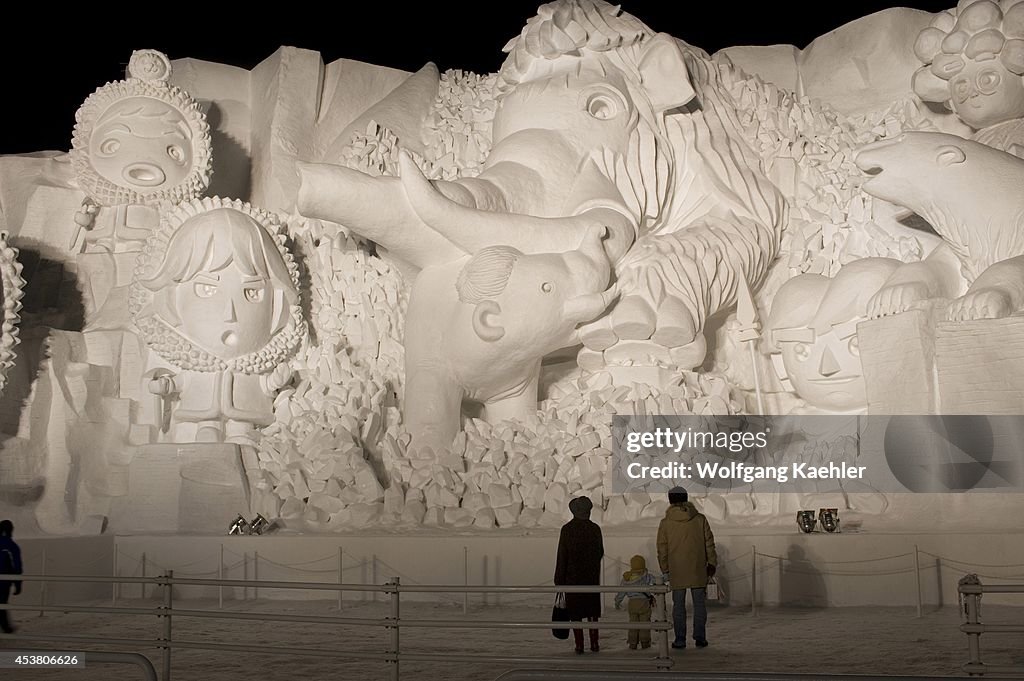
x=580, y=549
x=10, y=563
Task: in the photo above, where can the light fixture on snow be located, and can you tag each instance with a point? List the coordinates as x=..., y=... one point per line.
x=259, y=524
x=805, y=521
x=240, y=526
x=829, y=518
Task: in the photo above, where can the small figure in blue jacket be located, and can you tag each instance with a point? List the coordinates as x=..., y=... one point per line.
x=640, y=601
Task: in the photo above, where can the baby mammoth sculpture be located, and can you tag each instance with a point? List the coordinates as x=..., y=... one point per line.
x=970, y=193
x=216, y=297
x=600, y=124
x=484, y=323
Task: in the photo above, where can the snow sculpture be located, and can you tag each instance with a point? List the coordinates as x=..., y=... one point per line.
x=600, y=122
x=10, y=303
x=973, y=59
x=812, y=333
x=216, y=296
x=479, y=328
x=138, y=142
x=969, y=192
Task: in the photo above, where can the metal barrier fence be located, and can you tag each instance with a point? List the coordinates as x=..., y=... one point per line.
x=971, y=590
x=559, y=675
x=392, y=654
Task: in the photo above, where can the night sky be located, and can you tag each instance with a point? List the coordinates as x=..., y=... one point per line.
x=47, y=73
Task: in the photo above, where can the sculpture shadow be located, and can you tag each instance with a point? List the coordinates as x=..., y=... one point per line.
x=801, y=584
x=52, y=300
x=232, y=167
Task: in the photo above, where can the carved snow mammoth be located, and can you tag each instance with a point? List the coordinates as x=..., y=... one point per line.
x=141, y=140
x=11, y=293
x=593, y=129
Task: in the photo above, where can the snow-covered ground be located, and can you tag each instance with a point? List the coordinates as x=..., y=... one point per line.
x=855, y=640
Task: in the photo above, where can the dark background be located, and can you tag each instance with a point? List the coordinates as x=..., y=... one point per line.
x=53, y=58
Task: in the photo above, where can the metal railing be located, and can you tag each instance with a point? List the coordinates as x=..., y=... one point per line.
x=392, y=654
x=971, y=589
x=570, y=675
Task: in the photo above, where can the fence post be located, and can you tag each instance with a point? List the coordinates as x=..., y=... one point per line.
x=142, y=585
x=168, y=603
x=373, y=576
x=256, y=575
x=465, y=579
x=971, y=611
x=753, y=581
x=395, y=628
x=664, y=659
x=341, y=574
x=220, y=576
x=245, y=575
x=917, y=574
x=42, y=585
x=117, y=573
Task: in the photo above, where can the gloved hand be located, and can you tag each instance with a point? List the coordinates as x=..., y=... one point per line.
x=711, y=570
x=664, y=578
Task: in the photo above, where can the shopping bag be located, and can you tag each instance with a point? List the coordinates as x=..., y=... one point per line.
x=559, y=613
x=713, y=592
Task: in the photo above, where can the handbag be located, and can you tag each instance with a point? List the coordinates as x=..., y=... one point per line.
x=713, y=591
x=559, y=613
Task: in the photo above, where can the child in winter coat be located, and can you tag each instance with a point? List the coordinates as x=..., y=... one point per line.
x=640, y=601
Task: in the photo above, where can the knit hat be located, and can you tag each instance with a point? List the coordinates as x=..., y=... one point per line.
x=580, y=507
x=637, y=563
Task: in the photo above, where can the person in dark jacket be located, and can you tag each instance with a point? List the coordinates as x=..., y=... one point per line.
x=580, y=550
x=686, y=554
x=10, y=563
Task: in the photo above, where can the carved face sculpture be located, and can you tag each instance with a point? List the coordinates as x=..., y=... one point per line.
x=142, y=143
x=141, y=140
x=226, y=312
x=824, y=368
x=812, y=332
x=985, y=93
x=222, y=283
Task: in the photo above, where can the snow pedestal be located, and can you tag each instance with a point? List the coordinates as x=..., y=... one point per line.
x=195, y=488
x=918, y=363
x=898, y=357
x=980, y=366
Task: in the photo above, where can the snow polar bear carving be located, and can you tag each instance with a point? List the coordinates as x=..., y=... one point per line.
x=971, y=194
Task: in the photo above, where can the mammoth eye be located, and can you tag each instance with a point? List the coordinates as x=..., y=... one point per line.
x=176, y=153
x=602, y=108
x=802, y=352
x=253, y=294
x=547, y=287
x=205, y=290
x=854, y=346
x=109, y=146
x=602, y=102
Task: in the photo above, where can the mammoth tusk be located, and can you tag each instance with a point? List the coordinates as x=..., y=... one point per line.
x=473, y=229
x=585, y=308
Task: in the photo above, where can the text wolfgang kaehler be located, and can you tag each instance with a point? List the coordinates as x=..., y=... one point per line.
x=662, y=441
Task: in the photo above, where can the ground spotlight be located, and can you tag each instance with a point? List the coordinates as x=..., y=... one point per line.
x=240, y=526
x=805, y=521
x=829, y=518
x=259, y=524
